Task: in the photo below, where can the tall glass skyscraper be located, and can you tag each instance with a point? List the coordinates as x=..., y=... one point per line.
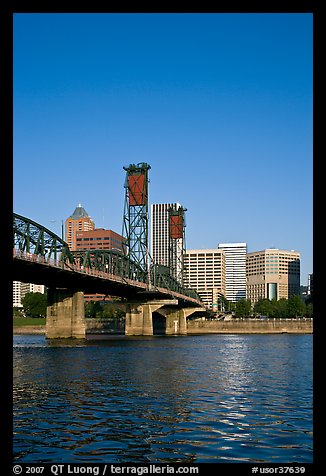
x=235, y=268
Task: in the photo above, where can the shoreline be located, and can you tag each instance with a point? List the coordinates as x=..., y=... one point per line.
x=28, y=330
x=236, y=326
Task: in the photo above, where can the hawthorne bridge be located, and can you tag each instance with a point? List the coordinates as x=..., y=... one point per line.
x=144, y=287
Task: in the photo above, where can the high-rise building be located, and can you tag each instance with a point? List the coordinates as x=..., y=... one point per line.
x=205, y=272
x=159, y=234
x=16, y=298
x=272, y=274
x=77, y=222
x=235, y=267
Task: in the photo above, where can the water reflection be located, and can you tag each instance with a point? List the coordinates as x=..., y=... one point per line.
x=192, y=399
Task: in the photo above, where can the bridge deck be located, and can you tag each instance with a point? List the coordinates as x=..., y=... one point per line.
x=29, y=267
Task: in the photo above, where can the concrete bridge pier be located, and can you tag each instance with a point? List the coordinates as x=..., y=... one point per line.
x=139, y=316
x=176, y=319
x=65, y=314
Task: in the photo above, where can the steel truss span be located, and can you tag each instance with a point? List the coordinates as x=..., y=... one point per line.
x=35, y=244
x=109, y=261
x=32, y=238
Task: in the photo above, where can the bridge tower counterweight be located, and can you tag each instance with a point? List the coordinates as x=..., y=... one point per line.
x=177, y=242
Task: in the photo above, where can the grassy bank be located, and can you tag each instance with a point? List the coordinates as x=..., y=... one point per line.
x=28, y=321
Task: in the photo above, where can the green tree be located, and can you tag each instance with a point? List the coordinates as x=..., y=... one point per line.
x=296, y=307
x=93, y=309
x=111, y=312
x=274, y=308
x=309, y=299
x=17, y=312
x=282, y=308
x=223, y=303
x=34, y=304
x=243, y=308
x=264, y=307
x=309, y=309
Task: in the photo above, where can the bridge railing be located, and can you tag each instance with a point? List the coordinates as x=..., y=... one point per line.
x=158, y=280
x=75, y=267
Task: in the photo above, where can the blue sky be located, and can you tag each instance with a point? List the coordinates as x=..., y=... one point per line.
x=219, y=105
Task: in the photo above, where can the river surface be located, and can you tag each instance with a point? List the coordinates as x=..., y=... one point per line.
x=188, y=399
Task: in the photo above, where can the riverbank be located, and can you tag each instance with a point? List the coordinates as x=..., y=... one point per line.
x=234, y=326
x=29, y=330
x=251, y=326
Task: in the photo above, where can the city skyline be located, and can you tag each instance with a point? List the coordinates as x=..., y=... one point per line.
x=221, y=111
x=234, y=252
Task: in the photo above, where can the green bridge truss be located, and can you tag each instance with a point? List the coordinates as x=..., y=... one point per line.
x=109, y=261
x=32, y=238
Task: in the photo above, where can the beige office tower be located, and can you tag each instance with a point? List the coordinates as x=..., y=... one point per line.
x=77, y=222
x=205, y=272
x=272, y=274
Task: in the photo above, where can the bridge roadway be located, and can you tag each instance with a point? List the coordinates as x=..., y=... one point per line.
x=67, y=284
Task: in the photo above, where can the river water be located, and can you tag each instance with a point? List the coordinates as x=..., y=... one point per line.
x=190, y=399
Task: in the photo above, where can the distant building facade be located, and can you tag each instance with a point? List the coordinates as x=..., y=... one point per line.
x=272, y=274
x=31, y=288
x=235, y=266
x=205, y=272
x=99, y=239
x=16, y=298
x=77, y=222
x=21, y=289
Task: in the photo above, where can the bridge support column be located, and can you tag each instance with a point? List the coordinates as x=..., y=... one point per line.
x=139, y=317
x=65, y=314
x=176, y=323
x=176, y=319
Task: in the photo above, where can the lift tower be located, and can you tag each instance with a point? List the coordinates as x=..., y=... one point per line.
x=177, y=242
x=135, y=221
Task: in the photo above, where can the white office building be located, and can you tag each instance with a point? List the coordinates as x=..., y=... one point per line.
x=21, y=289
x=159, y=232
x=16, y=298
x=31, y=288
x=205, y=272
x=235, y=267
